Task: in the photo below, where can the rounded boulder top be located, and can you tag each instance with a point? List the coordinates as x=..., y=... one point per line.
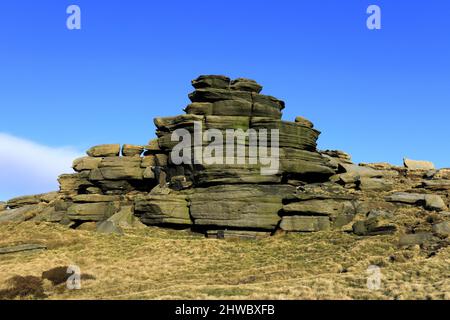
x=224, y=82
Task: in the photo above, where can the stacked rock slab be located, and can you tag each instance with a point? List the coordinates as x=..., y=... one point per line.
x=233, y=194
x=221, y=104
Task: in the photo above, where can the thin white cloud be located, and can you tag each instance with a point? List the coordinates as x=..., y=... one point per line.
x=27, y=167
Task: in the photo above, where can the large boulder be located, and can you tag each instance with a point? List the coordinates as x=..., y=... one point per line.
x=163, y=209
x=86, y=163
x=120, y=168
x=418, y=164
x=104, y=150
x=413, y=239
x=92, y=211
x=74, y=183
x=429, y=201
x=23, y=213
x=32, y=199
x=406, y=198
x=211, y=81
x=129, y=150
x=434, y=202
x=442, y=229
x=437, y=185
x=23, y=201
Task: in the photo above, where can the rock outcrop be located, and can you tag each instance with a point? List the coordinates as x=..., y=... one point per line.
x=227, y=195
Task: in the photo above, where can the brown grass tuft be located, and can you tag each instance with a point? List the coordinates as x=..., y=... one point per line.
x=21, y=287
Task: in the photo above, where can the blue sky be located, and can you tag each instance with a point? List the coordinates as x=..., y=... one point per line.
x=379, y=95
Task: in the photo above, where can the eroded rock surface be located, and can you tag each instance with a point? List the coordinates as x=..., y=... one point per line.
x=116, y=187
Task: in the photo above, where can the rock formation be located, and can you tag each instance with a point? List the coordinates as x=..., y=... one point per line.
x=124, y=186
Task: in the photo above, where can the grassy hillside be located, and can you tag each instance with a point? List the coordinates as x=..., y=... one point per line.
x=153, y=263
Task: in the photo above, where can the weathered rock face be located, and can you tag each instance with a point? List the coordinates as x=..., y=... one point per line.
x=163, y=209
x=226, y=195
x=418, y=165
x=239, y=206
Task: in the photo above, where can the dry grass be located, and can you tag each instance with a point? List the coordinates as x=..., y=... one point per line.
x=153, y=263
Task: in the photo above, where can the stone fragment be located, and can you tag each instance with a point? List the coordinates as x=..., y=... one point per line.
x=305, y=223
x=169, y=124
x=92, y=211
x=365, y=207
x=74, y=183
x=418, y=165
x=125, y=218
x=415, y=239
x=108, y=227
x=93, y=190
x=429, y=201
x=86, y=163
x=152, y=147
x=148, y=161
x=437, y=185
x=380, y=214
x=268, y=100
x=442, y=174
x=23, y=213
x=129, y=150
x=366, y=172
x=434, y=202
x=338, y=154
x=407, y=198
x=21, y=248
x=104, y=150
x=23, y=201
x=237, y=234
x=50, y=214
x=116, y=187
x=442, y=229
x=149, y=173
x=373, y=226
x=87, y=226
x=375, y=184
x=3, y=206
